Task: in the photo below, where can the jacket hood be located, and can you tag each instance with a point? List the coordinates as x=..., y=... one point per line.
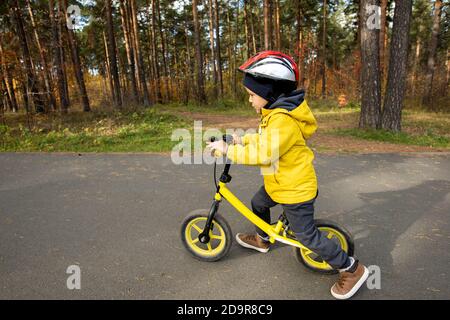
x=294, y=104
x=289, y=101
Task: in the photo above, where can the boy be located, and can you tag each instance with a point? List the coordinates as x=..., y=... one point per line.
x=271, y=78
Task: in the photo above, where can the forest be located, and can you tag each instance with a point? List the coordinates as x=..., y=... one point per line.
x=60, y=58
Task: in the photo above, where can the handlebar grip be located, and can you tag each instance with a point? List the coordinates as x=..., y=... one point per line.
x=228, y=138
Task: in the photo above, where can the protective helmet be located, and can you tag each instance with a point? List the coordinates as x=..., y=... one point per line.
x=271, y=65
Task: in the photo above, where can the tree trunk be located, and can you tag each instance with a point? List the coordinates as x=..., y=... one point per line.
x=122, y=65
x=129, y=48
x=164, y=54
x=112, y=55
x=447, y=83
x=189, y=66
x=62, y=39
x=57, y=55
x=261, y=28
x=218, y=55
x=155, y=55
x=370, y=73
x=234, y=64
x=211, y=39
x=140, y=64
x=277, y=26
x=133, y=45
x=2, y=98
x=271, y=23
x=46, y=71
x=252, y=26
x=246, y=30
x=267, y=31
x=207, y=69
x=177, y=71
x=324, y=49
x=31, y=77
x=198, y=52
x=108, y=68
x=2, y=104
x=11, y=94
x=396, y=83
x=382, y=38
x=229, y=49
x=300, y=47
x=415, y=65
x=9, y=87
x=7, y=102
x=431, y=62
x=357, y=52
x=77, y=64
x=150, y=52
x=314, y=78
x=170, y=70
x=104, y=75
x=308, y=42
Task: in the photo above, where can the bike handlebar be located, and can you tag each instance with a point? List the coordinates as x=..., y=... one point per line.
x=228, y=138
x=225, y=177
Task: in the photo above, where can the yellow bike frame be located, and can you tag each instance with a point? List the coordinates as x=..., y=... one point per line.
x=274, y=232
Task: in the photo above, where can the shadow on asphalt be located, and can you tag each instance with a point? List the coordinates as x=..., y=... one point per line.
x=388, y=215
x=237, y=252
x=385, y=216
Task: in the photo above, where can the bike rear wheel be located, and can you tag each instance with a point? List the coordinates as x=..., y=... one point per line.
x=333, y=232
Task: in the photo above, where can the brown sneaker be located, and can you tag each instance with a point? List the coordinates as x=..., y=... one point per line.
x=253, y=241
x=350, y=280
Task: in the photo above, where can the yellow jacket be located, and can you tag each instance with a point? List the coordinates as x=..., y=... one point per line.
x=280, y=149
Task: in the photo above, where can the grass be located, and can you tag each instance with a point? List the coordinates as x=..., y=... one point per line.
x=429, y=139
x=143, y=130
x=422, y=122
x=150, y=130
x=221, y=106
x=420, y=128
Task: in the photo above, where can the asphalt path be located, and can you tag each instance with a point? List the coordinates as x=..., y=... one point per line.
x=118, y=216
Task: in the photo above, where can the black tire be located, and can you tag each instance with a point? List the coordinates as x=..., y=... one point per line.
x=321, y=223
x=217, y=221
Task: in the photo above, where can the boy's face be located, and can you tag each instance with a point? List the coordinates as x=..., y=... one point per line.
x=257, y=102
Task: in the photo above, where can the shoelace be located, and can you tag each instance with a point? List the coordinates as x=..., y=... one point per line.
x=342, y=279
x=249, y=237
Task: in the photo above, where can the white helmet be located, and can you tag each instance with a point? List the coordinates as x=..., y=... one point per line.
x=273, y=65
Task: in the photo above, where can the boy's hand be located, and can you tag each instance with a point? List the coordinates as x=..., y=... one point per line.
x=218, y=145
x=236, y=139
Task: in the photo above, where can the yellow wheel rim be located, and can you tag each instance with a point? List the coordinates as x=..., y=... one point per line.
x=316, y=262
x=217, y=238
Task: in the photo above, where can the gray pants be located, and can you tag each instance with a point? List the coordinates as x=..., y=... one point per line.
x=301, y=221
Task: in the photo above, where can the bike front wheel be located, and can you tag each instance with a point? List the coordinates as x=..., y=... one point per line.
x=220, y=238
